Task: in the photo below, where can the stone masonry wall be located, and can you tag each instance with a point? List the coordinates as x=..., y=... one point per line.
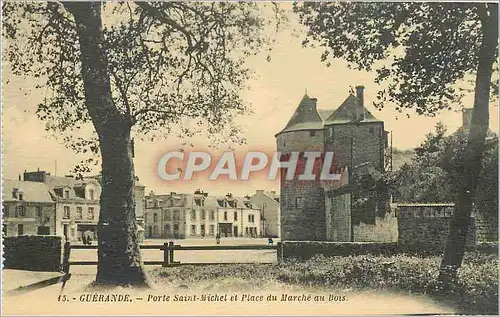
x=306, y=222
x=426, y=227
x=368, y=143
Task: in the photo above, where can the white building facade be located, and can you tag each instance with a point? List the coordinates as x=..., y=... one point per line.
x=200, y=215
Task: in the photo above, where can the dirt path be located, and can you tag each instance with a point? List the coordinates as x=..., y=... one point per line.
x=250, y=300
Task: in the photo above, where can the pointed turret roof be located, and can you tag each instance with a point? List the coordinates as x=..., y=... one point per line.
x=305, y=117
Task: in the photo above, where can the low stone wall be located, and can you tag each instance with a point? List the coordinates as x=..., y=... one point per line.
x=33, y=253
x=425, y=227
x=304, y=250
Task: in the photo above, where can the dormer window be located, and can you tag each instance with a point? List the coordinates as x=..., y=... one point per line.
x=66, y=193
x=91, y=194
x=21, y=196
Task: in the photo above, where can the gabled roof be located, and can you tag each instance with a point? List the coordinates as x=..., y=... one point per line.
x=32, y=191
x=346, y=113
x=305, y=117
x=325, y=113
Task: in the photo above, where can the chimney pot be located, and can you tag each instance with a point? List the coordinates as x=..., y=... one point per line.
x=360, y=109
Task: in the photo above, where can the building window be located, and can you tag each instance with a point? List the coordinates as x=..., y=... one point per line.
x=193, y=215
x=79, y=212
x=251, y=218
x=212, y=215
x=66, y=213
x=155, y=230
x=312, y=133
x=167, y=215
x=5, y=211
x=202, y=230
x=371, y=130
x=155, y=217
x=91, y=194
x=166, y=229
x=235, y=215
x=199, y=202
x=90, y=215
x=20, y=229
x=193, y=230
x=43, y=231
x=177, y=214
x=225, y=215
x=38, y=211
x=202, y=214
x=299, y=202
x=21, y=211
x=20, y=196
x=66, y=193
x=155, y=203
x=212, y=230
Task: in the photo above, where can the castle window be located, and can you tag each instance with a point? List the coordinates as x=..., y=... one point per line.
x=312, y=133
x=299, y=202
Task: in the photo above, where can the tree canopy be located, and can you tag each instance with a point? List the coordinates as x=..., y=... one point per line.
x=418, y=50
x=432, y=175
x=171, y=65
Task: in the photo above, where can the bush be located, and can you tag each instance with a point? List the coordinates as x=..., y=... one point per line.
x=475, y=293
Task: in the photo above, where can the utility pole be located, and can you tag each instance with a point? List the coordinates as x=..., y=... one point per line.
x=391, y=151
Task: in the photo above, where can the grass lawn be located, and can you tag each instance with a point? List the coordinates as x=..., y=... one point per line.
x=476, y=292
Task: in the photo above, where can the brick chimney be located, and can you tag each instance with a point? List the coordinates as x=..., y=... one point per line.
x=38, y=176
x=466, y=118
x=360, y=106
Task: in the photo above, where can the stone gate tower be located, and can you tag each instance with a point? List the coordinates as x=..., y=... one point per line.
x=302, y=202
x=309, y=209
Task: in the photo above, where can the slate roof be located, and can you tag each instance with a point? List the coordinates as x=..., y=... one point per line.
x=305, y=117
x=345, y=113
x=188, y=200
x=32, y=191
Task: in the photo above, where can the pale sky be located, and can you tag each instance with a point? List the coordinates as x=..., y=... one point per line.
x=274, y=95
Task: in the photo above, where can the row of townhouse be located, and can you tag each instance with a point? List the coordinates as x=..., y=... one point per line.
x=42, y=204
x=178, y=215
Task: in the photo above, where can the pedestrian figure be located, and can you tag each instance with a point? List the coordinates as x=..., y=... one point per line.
x=217, y=238
x=270, y=240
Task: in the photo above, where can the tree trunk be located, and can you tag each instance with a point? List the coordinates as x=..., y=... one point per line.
x=473, y=153
x=118, y=253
